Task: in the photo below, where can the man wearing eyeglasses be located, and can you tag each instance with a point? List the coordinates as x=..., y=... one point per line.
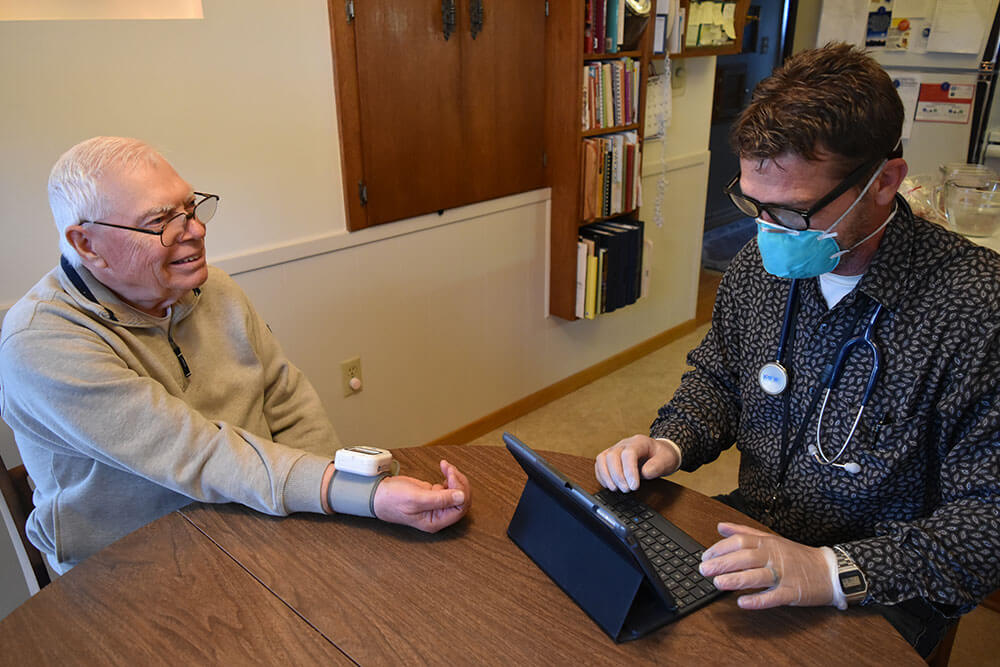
x=137, y=378
x=854, y=360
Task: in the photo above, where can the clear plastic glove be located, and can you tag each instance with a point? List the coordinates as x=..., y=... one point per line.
x=617, y=467
x=422, y=505
x=792, y=573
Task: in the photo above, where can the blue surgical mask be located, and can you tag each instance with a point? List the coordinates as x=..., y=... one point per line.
x=810, y=252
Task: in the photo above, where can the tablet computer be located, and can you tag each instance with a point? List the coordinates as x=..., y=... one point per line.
x=626, y=565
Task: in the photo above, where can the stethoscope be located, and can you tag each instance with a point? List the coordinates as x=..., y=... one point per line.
x=773, y=379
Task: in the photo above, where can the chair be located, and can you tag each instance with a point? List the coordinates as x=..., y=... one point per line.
x=942, y=652
x=16, y=507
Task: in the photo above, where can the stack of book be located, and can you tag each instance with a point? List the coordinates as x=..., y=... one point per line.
x=609, y=266
x=611, y=175
x=610, y=94
x=604, y=30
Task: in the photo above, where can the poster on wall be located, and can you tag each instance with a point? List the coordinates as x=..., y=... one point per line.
x=879, y=22
x=945, y=103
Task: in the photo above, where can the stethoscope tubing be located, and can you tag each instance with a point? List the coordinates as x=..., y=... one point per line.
x=833, y=373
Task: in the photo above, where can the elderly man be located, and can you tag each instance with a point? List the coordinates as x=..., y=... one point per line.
x=137, y=378
x=853, y=359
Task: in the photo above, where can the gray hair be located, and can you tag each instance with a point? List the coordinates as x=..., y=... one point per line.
x=74, y=194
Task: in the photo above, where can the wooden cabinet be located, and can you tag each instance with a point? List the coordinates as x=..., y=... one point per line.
x=564, y=135
x=436, y=111
x=731, y=47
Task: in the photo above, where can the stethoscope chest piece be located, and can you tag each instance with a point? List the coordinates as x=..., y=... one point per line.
x=773, y=378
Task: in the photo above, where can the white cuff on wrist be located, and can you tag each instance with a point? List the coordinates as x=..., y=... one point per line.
x=680, y=457
x=839, y=600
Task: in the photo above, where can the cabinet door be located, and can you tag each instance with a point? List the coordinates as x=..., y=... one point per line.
x=436, y=123
x=410, y=108
x=503, y=87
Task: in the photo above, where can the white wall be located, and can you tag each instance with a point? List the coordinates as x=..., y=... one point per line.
x=447, y=313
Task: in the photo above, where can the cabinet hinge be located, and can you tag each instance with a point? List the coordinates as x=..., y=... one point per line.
x=363, y=193
x=545, y=159
x=546, y=7
x=349, y=9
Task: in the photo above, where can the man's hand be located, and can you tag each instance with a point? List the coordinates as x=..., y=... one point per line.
x=792, y=573
x=617, y=467
x=416, y=503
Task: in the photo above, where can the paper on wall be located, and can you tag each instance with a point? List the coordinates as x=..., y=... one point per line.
x=842, y=21
x=908, y=86
x=729, y=19
x=956, y=27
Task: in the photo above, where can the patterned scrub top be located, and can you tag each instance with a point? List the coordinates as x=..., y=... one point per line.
x=922, y=516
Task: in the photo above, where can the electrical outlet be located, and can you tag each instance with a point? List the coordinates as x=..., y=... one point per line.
x=349, y=370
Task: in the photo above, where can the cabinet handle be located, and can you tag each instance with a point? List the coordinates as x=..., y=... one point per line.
x=448, y=18
x=475, y=17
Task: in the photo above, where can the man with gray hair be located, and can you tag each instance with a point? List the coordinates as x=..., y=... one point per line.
x=137, y=378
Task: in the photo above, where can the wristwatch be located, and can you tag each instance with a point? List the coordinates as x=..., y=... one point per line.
x=852, y=580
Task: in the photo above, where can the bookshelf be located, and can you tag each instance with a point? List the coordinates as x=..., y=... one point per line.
x=565, y=59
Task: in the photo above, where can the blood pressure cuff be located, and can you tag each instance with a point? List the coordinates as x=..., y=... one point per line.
x=353, y=494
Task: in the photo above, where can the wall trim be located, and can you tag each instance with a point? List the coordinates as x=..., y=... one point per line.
x=532, y=402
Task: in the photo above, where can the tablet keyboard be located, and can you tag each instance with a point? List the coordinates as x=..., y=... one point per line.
x=674, y=554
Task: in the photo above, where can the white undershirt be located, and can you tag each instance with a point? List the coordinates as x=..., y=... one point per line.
x=836, y=287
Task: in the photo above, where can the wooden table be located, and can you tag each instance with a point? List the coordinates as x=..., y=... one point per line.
x=223, y=584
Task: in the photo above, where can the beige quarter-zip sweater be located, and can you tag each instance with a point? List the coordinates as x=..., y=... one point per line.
x=121, y=417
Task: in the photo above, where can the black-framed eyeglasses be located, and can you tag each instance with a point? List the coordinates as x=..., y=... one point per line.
x=171, y=226
x=794, y=218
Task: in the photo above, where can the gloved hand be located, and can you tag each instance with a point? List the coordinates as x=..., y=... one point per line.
x=793, y=574
x=617, y=467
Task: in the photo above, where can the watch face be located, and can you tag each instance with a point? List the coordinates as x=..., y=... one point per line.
x=851, y=582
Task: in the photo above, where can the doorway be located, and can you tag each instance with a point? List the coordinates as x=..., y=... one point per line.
x=766, y=38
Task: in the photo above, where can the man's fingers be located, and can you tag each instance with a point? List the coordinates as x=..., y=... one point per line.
x=727, y=529
x=617, y=476
x=601, y=471
x=734, y=561
x=775, y=597
x=758, y=577
x=630, y=468
x=730, y=544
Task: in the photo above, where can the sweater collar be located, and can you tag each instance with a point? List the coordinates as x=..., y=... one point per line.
x=95, y=297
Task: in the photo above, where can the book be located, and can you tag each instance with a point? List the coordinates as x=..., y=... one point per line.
x=618, y=167
x=611, y=35
x=600, y=305
x=613, y=245
x=607, y=177
x=600, y=14
x=647, y=268
x=591, y=179
x=629, y=173
x=590, y=303
x=581, y=277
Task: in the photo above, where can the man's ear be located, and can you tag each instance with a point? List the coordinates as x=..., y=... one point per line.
x=77, y=237
x=888, y=182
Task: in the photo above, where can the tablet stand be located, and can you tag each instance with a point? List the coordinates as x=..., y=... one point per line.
x=588, y=562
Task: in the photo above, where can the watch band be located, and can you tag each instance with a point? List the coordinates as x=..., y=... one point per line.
x=353, y=494
x=853, y=582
